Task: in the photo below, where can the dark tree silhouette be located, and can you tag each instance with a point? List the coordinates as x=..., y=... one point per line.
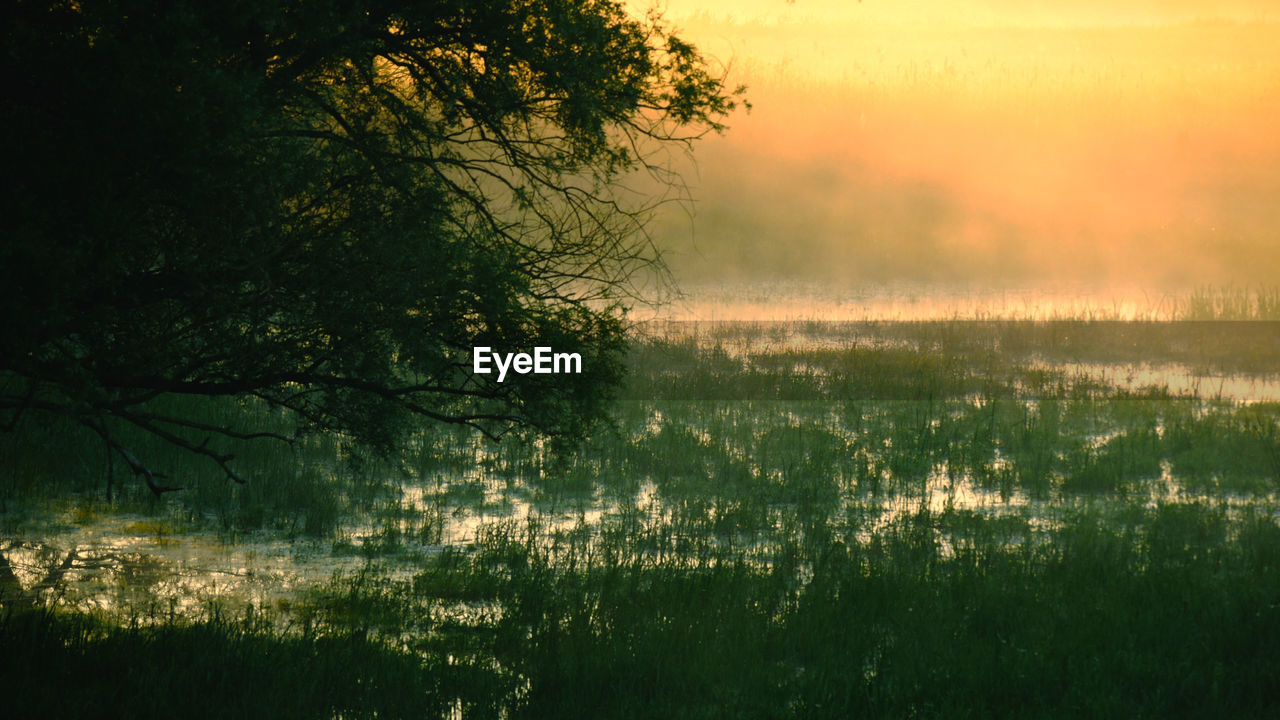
x=324, y=205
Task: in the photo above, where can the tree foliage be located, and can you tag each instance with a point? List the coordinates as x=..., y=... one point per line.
x=325, y=205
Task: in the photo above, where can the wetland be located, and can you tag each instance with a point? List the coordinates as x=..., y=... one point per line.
x=944, y=518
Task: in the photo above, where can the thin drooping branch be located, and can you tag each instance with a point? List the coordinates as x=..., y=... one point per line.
x=148, y=475
x=207, y=427
x=221, y=459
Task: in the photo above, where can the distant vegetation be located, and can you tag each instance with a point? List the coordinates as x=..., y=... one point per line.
x=1231, y=304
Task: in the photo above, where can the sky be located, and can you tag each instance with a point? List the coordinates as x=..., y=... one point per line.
x=987, y=143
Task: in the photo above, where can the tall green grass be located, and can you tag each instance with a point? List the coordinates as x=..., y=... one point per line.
x=857, y=520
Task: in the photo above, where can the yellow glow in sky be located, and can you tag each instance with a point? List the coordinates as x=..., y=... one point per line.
x=1129, y=141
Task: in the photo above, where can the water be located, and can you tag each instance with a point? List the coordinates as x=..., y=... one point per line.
x=1178, y=379
x=142, y=566
x=154, y=567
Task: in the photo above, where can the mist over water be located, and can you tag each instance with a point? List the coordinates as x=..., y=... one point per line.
x=1103, y=158
x=806, y=299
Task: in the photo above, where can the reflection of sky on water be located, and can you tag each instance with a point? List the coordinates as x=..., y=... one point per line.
x=1178, y=380
x=138, y=565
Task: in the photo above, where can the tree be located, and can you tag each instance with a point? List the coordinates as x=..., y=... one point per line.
x=325, y=205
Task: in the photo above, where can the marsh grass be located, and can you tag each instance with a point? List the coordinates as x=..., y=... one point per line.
x=825, y=520
x=1231, y=303
x=59, y=665
x=1122, y=610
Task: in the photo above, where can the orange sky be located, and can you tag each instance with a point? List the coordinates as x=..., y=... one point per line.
x=997, y=141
